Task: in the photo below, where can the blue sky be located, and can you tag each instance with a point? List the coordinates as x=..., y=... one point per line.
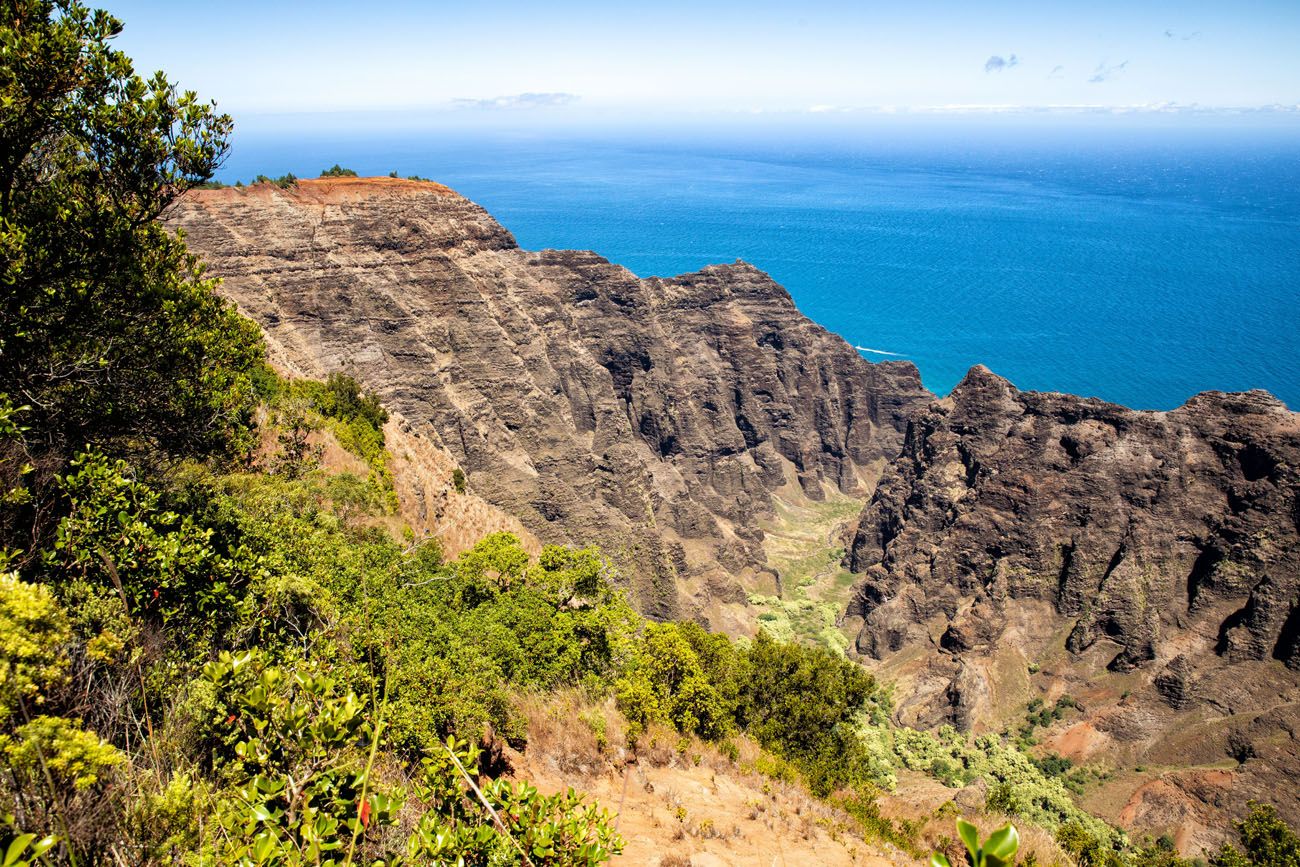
x=669, y=56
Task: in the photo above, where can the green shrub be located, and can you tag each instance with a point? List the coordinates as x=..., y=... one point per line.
x=33, y=633
x=293, y=747
x=284, y=182
x=1265, y=840
x=501, y=821
x=807, y=704
x=337, y=171
x=119, y=538
x=74, y=758
x=299, y=753
x=666, y=682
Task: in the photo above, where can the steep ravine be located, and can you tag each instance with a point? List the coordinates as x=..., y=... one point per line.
x=655, y=415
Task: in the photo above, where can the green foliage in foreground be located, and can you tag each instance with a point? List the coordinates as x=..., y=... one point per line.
x=272, y=653
x=305, y=791
x=278, y=734
x=999, y=850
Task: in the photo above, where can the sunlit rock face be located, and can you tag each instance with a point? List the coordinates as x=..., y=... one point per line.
x=654, y=416
x=1029, y=545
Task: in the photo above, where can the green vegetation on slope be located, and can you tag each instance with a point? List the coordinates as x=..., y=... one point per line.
x=802, y=547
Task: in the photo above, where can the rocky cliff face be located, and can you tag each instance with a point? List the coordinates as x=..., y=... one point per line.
x=656, y=416
x=1026, y=543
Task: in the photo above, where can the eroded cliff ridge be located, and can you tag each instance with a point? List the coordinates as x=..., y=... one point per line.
x=1147, y=563
x=657, y=416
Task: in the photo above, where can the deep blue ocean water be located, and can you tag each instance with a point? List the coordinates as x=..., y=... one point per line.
x=1139, y=266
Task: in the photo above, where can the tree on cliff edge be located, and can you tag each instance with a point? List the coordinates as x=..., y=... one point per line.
x=109, y=334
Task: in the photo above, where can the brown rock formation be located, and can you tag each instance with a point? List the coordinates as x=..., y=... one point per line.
x=655, y=416
x=1156, y=554
x=1133, y=524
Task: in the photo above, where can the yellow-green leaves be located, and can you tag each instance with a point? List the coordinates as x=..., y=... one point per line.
x=33, y=631
x=74, y=757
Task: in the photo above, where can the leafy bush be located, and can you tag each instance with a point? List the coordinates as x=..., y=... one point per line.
x=1087, y=847
x=496, y=823
x=56, y=768
x=118, y=537
x=284, y=182
x=337, y=171
x=666, y=682
x=33, y=632
x=300, y=754
x=109, y=329
x=1265, y=840
x=804, y=704
x=807, y=704
x=74, y=758
x=299, y=782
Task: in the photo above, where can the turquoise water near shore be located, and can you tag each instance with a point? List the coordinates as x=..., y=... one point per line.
x=1139, y=268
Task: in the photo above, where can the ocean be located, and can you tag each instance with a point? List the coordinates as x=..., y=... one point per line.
x=1139, y=264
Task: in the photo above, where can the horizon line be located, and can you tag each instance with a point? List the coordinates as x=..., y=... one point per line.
x=464, y=107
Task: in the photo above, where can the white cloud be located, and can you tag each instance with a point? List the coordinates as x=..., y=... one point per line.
x=519, y=100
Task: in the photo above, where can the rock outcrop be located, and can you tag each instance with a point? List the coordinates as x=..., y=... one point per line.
x=654, y=415
x=1134, y=525
x=1027, y=544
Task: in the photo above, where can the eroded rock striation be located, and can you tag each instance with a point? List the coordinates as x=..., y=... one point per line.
x=1026, y=545
x=655, y=416
x=1133, y=525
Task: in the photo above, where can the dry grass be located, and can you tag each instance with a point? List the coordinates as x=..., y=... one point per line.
x=679, y=798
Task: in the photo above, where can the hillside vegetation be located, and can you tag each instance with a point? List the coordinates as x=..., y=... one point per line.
x=215, y=650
